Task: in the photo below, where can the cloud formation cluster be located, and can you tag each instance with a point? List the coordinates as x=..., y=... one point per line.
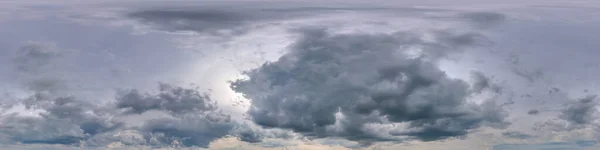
x=65, y=119
x=367, y=87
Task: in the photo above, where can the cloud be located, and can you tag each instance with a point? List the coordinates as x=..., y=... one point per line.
x=69, y=121
x=484, y=19
x=31, y=130
x=255, y=134
x=192, y=20
x=34, y=57
x=174, y=100
x=65, y=120
x=530, y=76
x=516, y=135
x=581, y=112
x=549, y=145
x=37, y=65
x=481, y=82
x=344, y=85
x=237, y=20
x=186, y=131
x=196, y=119
x=216, y=20
x=533, y=112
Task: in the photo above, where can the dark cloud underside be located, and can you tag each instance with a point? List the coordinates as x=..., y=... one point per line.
x=368, y=79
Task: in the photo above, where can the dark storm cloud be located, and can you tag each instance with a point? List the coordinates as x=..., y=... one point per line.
x=516, y=135
x=368, y=79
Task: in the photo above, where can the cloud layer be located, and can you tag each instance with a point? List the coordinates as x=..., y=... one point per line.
x=65, y=119
x=317, y=75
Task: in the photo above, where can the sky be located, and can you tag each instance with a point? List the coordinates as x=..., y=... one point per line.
x=286, y=75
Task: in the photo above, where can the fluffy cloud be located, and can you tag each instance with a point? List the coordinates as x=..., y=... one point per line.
x=344, y=85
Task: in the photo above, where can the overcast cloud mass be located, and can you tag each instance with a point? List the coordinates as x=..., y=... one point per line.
x=261, y=74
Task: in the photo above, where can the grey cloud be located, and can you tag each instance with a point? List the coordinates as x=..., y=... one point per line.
x=33, y=57
x=29, y=130
x=216, y=21
x=186, y=131
x=481, y=82
x=367, y=79
x=577, y=114
x=196, y=121
x=476, y=19
x=581, y=112
x=174, y=100
x=530, y=76
x=46, y=84
x=236, y=20
x=66, y=121
x=533, y=112
x=516, y=135
x=71, y=121
x=255, y=134
x=249, y=135
x=36, y=64
x=192, y=20
x=484, y=19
